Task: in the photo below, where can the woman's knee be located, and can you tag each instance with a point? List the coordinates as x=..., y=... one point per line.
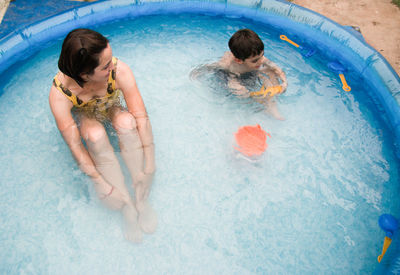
x=124, y=120
x=92, y=130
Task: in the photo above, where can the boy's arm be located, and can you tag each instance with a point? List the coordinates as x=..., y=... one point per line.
x=275, y=73
x=237, y=88
x=201, y=69
x=223, y=63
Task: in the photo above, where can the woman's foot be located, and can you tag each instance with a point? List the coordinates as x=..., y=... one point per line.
x=131, y=226
x=147, y=218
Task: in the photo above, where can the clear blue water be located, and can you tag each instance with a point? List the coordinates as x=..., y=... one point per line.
x=310, y=206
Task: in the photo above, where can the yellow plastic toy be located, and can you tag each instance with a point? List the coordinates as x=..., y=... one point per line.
x=284, y=38
x=386, y=244
x=345, y=86
x=263, y=92
x=337, y=67
x=306, y=52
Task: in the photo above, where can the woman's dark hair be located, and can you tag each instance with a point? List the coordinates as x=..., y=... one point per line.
x=245, y=43
x=80, y=53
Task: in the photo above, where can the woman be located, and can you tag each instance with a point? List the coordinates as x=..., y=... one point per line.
x=86, y=93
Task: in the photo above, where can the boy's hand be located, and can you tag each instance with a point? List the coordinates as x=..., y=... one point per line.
x=284, y=86
x=238, y=89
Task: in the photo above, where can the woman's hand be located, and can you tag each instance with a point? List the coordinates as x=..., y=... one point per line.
x=110, y=195
x=104, y=190
x=142, y=186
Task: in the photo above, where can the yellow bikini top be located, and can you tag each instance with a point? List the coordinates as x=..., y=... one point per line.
x=77, y=102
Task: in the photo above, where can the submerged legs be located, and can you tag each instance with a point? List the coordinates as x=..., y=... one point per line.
x=138, y=153
x=108, y=166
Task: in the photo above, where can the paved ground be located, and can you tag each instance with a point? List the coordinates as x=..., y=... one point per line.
x=379, y=21
x=3, y=8
x=22, y=12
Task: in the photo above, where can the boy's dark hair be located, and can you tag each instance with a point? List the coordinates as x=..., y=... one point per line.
x=80, y=53
x=245, y=43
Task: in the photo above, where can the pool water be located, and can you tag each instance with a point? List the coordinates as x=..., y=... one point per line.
x=309, y=206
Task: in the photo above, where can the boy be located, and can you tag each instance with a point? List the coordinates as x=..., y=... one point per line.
x=245, y=61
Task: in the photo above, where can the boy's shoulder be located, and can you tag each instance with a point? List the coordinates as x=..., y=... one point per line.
x=267, y=61
x=226, y=60
x=268, y=64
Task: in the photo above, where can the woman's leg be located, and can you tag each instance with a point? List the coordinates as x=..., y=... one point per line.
x=108, y=166
x=132, y=152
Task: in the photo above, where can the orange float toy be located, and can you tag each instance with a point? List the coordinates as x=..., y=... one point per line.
x=251, y=140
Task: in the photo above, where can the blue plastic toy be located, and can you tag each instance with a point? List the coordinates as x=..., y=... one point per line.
x=306, y=52
x=338, y=68
x=389, y=224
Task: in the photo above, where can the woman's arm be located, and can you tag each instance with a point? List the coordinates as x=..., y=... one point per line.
x=61, y=109
x=127, y=83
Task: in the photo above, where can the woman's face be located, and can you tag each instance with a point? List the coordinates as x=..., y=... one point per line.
x=102, y=71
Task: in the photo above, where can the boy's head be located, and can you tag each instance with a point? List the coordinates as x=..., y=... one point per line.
x=245, y=43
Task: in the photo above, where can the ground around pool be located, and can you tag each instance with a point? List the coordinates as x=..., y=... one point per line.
x=379, y=21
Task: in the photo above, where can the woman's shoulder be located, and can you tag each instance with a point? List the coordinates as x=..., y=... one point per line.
x=60, y=106
x=57, y=90
x=123, y=71
x=121, y=66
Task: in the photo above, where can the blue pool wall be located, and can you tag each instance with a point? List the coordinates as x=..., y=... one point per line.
x=340, y=43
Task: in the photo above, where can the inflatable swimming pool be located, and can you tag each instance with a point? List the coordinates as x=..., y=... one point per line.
x=303, y=26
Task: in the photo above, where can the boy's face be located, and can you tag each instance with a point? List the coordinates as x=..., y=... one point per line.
x=254, y=62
